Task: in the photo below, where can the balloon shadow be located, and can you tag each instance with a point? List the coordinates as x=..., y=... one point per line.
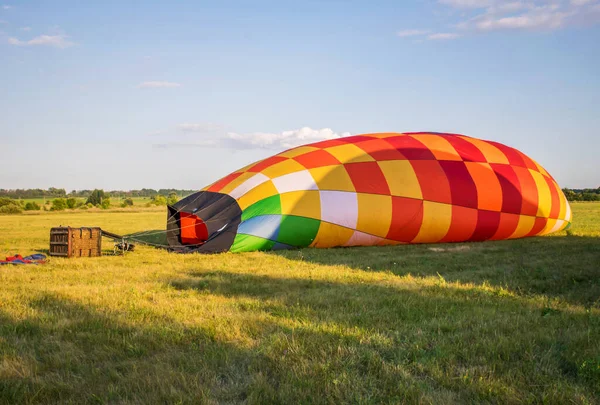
x=565, y=267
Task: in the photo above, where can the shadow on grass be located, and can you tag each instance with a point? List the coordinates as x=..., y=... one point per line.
x=65, y=352
x=70, y=353
x=565, y=267
x=302, y=341
x=443, y=343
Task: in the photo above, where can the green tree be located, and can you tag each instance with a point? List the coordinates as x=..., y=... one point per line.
x=10, y=209
x=7, y=201
x=105, y=203
x=59, y=204
x=9, y=206
x=96, y=197
x=172, y=198
x=32, y=206
x=569, y=194
x=159, y=200
x=128, y=202
x=71, y=202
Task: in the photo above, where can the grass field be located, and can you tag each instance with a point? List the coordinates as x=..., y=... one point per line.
x=497, y=322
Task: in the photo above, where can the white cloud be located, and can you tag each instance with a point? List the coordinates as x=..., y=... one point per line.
x=443, y=36
x=282, y=140
x=541, y=17
x=467, y=3
x=213, y=135
x=25, y=28
x=157, y=85
x=57, y=41
x=6, y=7
x=539, y=20
x=411, y=33
x=526, y=15
x=508, y=7
x=425, y=34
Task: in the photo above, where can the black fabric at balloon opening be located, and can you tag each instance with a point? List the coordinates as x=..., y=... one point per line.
x=221, y=214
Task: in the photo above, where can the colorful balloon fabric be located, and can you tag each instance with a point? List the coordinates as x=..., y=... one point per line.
x=374, y=189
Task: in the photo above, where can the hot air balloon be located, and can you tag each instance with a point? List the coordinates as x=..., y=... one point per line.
x=373, y=189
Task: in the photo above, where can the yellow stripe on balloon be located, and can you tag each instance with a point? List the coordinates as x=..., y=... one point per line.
x=331, y=235
x=491, y=153
x=524, y=226
x=282, y=168
x=265, y=190
x=349, y=153
x=401, y=178
x=332, y=178
x=436, y=222
x=292, y=153
x=301, y=203
x=440, y=147
x=374, y=214
x=545, y=198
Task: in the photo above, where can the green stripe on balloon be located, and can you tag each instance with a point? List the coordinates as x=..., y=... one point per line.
x=268, y=206
x=297, y=231
x=248, y=243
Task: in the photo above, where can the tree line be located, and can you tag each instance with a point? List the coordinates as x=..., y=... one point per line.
x=96, y=198
x=585, y=194
x=33, y=193
x=62, y=193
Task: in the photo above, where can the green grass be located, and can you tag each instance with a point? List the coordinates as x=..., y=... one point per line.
x=493, y=322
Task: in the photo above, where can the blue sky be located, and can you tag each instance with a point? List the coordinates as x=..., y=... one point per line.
x=122, y=95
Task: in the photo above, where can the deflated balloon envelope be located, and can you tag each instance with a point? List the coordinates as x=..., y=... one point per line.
x=373, y=189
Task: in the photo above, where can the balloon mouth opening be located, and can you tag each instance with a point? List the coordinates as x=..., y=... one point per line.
x=193, y=229
x=203, y=222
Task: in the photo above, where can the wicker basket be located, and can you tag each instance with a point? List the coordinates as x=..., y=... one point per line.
x=75, y=242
